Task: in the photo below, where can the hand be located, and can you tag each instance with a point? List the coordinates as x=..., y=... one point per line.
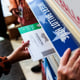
x=20, y=53
x=15, y=12
x=69, y=68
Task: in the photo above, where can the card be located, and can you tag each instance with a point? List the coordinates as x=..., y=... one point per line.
x=39, y=44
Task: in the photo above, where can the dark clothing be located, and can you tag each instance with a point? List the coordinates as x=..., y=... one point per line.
x=6, y=49
x=4, y=63
x=3, y=28
x=4, y=66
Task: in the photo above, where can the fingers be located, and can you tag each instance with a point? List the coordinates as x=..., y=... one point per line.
x=63, y=62
x=76, y=65
x=69, y=68
x=79, y=71
x=65, y=57
x=22, y=41
x=25, y=44
x=74, y=57
x=27, y=54
x=59, y=73
x=15, y=12
x=59, y=77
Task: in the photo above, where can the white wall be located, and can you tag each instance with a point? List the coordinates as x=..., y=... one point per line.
x=5, y=7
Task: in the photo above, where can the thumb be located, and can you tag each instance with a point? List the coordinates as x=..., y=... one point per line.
x=25, y=44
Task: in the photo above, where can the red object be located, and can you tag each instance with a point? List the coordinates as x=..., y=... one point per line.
x=25, y=16
x=43, y=72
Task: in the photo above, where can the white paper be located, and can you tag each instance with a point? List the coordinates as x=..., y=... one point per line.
x=39, y=44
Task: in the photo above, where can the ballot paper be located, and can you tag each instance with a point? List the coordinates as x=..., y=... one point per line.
x=39, y=47
x=59, y=35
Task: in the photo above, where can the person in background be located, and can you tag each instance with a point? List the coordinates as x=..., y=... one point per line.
x=3, y=28
x=21, y=9
x=25, y=16
x=69, y=68
x=21, y=53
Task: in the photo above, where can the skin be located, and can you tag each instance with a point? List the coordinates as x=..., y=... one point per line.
x=21, y=53
x=15, y=11
x=69, y=68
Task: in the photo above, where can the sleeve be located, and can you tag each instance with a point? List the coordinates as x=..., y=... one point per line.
x=13, y=5
x=5, y=66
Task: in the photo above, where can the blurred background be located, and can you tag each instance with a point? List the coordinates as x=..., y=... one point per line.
x=21, y=70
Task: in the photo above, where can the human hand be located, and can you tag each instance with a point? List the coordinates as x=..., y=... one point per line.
x=21, y=53
x=69, y=68
x=15, y=12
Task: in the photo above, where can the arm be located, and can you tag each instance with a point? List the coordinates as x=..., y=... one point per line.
x=13, y=8
x=69, y=68
x=21, y=53
x=13, y=5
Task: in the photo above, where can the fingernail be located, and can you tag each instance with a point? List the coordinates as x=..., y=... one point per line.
x=22, y=41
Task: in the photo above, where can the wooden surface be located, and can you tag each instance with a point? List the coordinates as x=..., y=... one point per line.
x=10, y=19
